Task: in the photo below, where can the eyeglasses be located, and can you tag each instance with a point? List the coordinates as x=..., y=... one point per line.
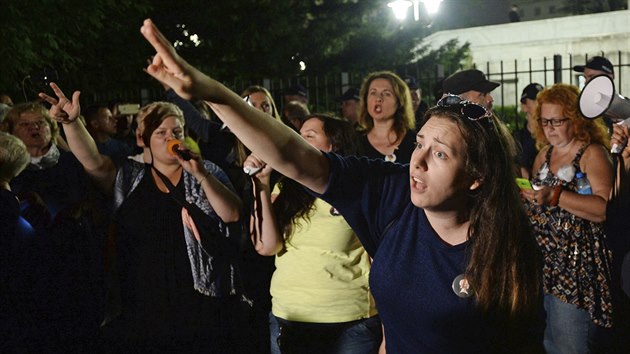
x=469, y=110
x=554, y=122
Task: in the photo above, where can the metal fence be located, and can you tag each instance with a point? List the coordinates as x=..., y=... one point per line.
x=514, y=75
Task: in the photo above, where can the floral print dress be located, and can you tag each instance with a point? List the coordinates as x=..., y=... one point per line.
x=576, y=258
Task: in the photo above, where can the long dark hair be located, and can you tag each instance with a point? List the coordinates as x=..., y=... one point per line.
x=503, y=260
x=294, y=203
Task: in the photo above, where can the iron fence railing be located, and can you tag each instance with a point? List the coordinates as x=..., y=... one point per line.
x=513, y=75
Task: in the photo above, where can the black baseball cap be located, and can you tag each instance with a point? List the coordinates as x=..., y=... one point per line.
x=297, y=90
x=467, y=80
x=596, y=63
x=530, y=91
x=351, y=94
x=411, y=82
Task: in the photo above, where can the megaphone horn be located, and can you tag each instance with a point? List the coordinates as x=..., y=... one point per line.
x=599, y=98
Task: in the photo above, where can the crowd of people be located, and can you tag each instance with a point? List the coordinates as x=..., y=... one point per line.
x=215, y=222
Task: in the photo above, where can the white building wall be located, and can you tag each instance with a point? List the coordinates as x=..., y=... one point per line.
x=513, y=44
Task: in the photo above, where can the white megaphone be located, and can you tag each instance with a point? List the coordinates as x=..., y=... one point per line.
x=599, y=98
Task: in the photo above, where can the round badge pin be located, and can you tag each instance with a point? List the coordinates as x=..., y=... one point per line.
x=461, y=286
x=390, y=157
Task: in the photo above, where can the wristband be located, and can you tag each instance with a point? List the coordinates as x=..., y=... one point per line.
x=555, y=197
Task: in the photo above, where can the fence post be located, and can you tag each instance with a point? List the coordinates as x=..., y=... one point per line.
x=557, y=68
x=439, y=71
x=345, y=81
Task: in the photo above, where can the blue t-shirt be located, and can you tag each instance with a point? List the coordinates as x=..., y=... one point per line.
x=413, y=269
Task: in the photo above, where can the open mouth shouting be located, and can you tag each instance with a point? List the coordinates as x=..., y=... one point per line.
x=417, y=184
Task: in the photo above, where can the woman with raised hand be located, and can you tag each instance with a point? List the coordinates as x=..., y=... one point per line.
x=455, y=268
x=320, y=292
x=174, y=219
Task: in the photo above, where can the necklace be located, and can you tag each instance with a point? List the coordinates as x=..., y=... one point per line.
x=391, y=157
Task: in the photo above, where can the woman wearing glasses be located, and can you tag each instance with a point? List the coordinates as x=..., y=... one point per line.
x=454, y=265
x=568, y=225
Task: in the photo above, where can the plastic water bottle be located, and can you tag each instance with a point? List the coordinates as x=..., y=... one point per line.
x=583, y=185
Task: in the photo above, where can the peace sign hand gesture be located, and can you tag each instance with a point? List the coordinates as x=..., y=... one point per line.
x=62, y=109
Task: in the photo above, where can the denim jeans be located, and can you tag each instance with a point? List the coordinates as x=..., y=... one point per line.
x=569, y=329
x=356, y=337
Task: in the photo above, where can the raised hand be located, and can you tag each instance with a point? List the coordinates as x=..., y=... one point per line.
x=172, y=70
x=62, y=109
x=193, y=165
x=253, y=163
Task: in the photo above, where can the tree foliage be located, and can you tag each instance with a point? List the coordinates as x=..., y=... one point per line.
x=257, y=39
x=85, y=42
x=95, y=45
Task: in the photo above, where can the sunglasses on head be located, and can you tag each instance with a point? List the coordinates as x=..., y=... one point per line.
x=469, y=110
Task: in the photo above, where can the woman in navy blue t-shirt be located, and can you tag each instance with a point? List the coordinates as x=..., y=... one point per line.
x=456, y=268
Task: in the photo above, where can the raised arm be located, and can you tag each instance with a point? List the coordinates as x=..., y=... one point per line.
x=270, y=140
x=100, y=167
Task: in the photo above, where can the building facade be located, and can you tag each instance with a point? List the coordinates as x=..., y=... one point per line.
x=544, y=51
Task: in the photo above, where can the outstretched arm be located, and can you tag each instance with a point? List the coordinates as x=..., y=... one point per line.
x=100, y=167
x=271, y=141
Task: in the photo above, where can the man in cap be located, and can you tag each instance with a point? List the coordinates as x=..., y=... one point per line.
x=596, y=66
x=419, y=106
x=296, y=93
x=527, y=145
x=471, y=85
x=350, y=105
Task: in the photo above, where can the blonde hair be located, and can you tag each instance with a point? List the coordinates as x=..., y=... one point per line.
x=13, y=156
x=11, y=120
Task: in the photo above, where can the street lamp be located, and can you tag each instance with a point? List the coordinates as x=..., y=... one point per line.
x=400, y=8
x=432, y=6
